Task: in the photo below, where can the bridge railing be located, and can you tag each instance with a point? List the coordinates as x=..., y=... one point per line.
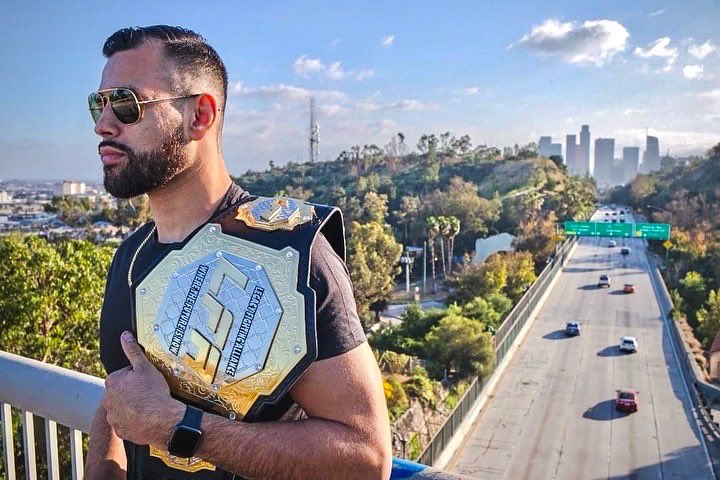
x=64, y=397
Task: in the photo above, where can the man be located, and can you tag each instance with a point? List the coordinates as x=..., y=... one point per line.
x=159, y=111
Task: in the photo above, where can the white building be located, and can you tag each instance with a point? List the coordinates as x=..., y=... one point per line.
x=72, y=188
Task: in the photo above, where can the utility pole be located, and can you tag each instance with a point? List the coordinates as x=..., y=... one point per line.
x=314, y=133
x=424, y=267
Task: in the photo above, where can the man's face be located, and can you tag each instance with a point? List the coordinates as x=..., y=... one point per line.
x=142, y=157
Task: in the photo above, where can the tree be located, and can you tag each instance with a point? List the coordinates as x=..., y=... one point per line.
x=709, y=319
x=375, y=207
x=443, y=232
x=461, y=344
x=373, y=256
x=433, y=229
x=453, y=230
x=50, y=299
x=692, y=289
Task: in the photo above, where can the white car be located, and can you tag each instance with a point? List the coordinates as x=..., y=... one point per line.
x=628, y=344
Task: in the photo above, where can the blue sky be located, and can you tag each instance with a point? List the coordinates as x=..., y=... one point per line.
x=503, y=72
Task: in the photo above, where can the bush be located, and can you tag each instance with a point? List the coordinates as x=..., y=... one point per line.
x=396, y=398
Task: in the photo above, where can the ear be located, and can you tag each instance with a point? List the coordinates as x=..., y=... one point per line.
x=204, y=116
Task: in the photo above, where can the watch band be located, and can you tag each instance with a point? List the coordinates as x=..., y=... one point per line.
x=192, y=418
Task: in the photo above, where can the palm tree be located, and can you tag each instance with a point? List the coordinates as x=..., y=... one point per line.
x=444, y=230
x=454, y=229
x=432, y=232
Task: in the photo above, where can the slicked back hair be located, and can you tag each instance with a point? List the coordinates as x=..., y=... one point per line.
x=189, y=52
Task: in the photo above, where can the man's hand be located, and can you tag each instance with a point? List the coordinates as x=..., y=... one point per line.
x=137, y=399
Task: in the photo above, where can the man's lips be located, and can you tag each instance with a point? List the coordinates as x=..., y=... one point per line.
x=111, y=156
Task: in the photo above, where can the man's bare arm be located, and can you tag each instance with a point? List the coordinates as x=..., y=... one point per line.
x=347, y=435
x=106, y=456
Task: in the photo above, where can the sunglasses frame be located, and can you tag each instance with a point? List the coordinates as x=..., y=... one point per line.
x=104, y=95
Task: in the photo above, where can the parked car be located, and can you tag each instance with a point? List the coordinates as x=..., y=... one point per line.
x=572, y=329
x=627, y=400
x=604, y=281
x=625, y=250
x=628, y=344
x=628, y=288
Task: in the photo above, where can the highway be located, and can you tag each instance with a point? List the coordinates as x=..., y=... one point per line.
x=552, y=415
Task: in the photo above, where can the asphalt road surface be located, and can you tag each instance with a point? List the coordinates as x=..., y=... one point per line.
x=553, y=415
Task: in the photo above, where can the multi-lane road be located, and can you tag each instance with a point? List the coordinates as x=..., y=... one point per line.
x=552, y=415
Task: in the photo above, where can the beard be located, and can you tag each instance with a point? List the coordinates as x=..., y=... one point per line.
x=145, y=171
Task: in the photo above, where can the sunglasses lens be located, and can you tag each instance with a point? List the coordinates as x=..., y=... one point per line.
x=95, y=103
x=124, y=105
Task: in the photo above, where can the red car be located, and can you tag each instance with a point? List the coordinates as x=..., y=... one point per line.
x=627, y=400
x=629, y=288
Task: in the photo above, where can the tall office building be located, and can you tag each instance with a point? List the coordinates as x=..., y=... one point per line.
x=604, y=159
x=631, y=163
x=584, y=157
x=555, y=149
x=544, y=146
x=651, y=157
x=570, y=152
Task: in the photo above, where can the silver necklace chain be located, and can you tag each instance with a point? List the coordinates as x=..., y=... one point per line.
x=135, y=255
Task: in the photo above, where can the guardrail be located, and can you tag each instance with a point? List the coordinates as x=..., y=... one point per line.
x=65, y=397
x=503, y=340
x=698, y=390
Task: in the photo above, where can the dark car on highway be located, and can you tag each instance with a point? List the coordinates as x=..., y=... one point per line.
x=627, y=400
x=572, y=329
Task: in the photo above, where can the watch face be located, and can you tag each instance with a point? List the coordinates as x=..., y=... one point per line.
x=184, y=441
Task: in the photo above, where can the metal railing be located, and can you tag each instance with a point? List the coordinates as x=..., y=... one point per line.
x=65, y=397
x=503, y=340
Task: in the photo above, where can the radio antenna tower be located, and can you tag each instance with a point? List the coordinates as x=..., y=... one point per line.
x=314, y=133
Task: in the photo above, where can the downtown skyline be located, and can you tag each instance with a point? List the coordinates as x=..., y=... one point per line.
x=503, y=74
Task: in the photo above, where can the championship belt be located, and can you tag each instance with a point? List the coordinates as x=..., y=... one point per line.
x=223, y=318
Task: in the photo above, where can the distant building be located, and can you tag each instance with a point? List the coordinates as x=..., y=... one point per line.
x=570, y=153
x=5, y=197
x=555, y=149
x=544, y=146
x=584, y=154
x=604, y=159
x=631, y=163
x=73, y=188
x=651, y=157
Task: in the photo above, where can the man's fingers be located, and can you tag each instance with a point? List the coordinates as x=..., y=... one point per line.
x=132, y=350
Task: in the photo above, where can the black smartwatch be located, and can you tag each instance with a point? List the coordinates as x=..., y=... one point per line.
x=186, y=436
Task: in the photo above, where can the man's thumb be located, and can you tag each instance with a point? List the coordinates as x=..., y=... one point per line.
x=132, y=350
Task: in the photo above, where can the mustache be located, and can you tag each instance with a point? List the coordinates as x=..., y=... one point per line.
x=113, y=144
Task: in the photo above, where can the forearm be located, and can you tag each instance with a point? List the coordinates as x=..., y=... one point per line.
x=106, y=455
x=312, y=448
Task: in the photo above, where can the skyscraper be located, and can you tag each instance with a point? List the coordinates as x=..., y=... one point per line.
x=651, y=157
x=584, y=157
x=604, y=159
x=544, y=146
x=631, y=163
x=570, y=153
x=555, y=149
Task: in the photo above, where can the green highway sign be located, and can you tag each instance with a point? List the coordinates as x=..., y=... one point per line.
x=652, y=231
x=581, y=229
x=614, y=230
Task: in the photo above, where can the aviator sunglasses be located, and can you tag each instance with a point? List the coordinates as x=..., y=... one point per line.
x=124, y=103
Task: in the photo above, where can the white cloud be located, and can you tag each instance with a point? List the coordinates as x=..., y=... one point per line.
x=594, y=41
x=387, y=41
x=634, y=111
x=335, y=42
x=660, y=48
x=335, y=72
x=656, y=13
x=471, y=90
x=693, y=71
x=307, y=66
x=285, y=92
x=703, y=50
x=408, y=105
x=679, y=142
x=713, y=94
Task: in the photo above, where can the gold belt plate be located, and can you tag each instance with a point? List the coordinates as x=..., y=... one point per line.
x=223, y=321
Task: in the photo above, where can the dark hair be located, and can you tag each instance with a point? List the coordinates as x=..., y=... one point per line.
x=190, y=52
